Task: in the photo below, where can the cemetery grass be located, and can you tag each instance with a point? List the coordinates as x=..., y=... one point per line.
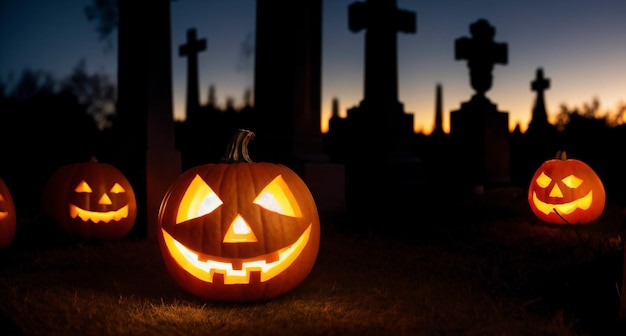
x=485, y=268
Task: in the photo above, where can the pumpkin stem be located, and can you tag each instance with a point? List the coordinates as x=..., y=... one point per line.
x=561, y=155
x=93, y=159
x=237, y=149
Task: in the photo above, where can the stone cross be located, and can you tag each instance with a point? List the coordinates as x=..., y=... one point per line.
x=481, y=53
x=191, y=50
x=540, y=84
x=539, y=121
x=383, y=20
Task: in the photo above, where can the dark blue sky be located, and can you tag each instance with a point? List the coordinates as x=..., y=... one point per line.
x=581, y=45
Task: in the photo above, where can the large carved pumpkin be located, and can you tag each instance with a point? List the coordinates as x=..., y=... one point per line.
x=7, y=216
x=239, y=230
x=566, y=191
x=91, y=200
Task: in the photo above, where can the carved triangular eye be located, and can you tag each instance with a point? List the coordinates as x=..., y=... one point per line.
x=3, y=213
x=543, y=180
x=117, y=189
x=199, y=200
x=572, y=181
x=83, y=187
x=277, y=197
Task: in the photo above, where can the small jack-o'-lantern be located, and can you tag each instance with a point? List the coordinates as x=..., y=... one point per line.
x=91, y=200
x=7, y=216
x=566, y=191
x=238, y=230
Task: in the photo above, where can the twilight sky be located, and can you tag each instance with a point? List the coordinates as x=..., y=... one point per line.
x=581, y=46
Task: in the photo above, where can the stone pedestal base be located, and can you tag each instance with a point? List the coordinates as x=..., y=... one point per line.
x=163, y=166
x=480, y=136
x=327, y=183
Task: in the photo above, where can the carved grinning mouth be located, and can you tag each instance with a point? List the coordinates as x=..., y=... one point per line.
x=563, y=208
x=96, y=216
x=235, y=271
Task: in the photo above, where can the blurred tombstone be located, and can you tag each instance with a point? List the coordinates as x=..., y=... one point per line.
x=287, y=94
x=147, y=154
x=380, y=163
x=622, y=311
x=479, y=131
x=191, y=50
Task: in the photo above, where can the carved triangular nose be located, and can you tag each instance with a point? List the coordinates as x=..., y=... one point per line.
x=239, y=232
x=556, y=191
x=105, y=200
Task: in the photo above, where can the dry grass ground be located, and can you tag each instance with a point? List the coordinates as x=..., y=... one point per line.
x=487, y=268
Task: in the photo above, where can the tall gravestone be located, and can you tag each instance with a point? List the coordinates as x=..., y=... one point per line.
x=147, y=155
x=479, y=131
x=287, y=95
x=191, y=50
x=622, y=305
x=380, y=162
x=438, y=127
x=540, y=141
x=539, y=119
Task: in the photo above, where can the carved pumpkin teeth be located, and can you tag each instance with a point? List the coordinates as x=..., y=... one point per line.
x=237, y=264
x=272, y=257
x=564, y=208
x=96, y=216
x=235, y=271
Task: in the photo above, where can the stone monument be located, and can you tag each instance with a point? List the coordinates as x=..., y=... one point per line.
x=191, y=50
x=381, y=167
x=147, y=155
x=479, y=131
x=287, y=94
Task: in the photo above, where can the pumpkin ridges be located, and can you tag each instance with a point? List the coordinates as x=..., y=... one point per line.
x=8, y=223
x=557, y=169
x=237, y=185
x=59, y=193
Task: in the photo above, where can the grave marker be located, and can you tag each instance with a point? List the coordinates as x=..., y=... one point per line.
x=480, y=132
x=191, y=50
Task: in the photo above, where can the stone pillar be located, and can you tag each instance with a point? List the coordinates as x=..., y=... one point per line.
x=287, y=93
x=480, y=133
x=147, y=154
x=381, y=167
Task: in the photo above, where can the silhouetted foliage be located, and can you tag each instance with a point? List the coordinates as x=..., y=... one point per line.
x=47, y=125
x=96, y=91
x=588, y=111
x=31, y=84
x=106, y=15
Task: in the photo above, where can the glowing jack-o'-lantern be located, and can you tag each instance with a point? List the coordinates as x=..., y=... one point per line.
x=239, y=230
x=7, y=216
x=566, y=191
x=91, y=200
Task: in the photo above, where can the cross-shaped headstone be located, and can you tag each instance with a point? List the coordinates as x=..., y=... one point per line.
x=540, y=83
x=540, y=115
x=383, y=20
x=191, y=50
x=481, y=53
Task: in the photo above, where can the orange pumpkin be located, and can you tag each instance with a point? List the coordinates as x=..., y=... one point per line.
x=91, y=200
x=566, y=191
x=238, y=230
x=7, y=216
